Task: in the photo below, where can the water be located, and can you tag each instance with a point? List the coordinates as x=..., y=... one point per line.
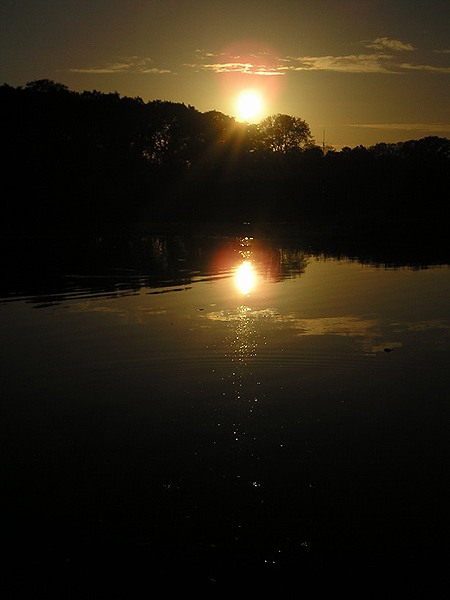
x=208, y=411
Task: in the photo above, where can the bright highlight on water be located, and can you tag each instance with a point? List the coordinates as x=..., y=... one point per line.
x=245, y=277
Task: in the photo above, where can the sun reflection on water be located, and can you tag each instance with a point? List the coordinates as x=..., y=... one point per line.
x=245, y=277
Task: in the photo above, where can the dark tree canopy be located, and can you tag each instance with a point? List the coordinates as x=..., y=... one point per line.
x=92, y=157
x=46, y=86
x=284, y=133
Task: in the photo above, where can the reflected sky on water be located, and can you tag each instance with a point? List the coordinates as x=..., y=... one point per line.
x=262, y=403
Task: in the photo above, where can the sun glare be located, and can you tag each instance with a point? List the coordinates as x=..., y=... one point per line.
x=250, y=105
x=245, y=277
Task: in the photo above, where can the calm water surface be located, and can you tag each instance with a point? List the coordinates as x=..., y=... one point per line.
x=222, y=408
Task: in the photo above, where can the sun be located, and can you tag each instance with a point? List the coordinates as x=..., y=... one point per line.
x=250, y=105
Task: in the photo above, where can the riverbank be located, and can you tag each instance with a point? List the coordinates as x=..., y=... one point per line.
x=400, y=241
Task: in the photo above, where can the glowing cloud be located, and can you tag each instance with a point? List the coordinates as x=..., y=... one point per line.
x=238, y=59
x=132, y=64
x=352, y=63
x=425, y=68
x=247, y=68
x=437, y=127
x=395, y=45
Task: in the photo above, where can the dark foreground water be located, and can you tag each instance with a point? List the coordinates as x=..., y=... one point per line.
x=199, y=414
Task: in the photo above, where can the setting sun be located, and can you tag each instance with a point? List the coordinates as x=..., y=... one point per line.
x=250, y=105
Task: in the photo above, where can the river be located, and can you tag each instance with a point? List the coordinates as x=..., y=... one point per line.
x=200, y=410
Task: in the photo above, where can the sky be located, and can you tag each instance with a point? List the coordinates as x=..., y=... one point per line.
x=357, y=71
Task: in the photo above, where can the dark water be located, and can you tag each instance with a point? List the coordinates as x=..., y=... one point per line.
x=172, y=418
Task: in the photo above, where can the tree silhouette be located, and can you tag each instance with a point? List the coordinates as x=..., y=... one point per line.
x=284, y=133
x=92, y=157
x=46, y=86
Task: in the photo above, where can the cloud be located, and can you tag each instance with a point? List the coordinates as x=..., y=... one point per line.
x=251, y=64
x=384, y=43
x=342, y=326
x=381, y=60
x=425, y=68
x=241, y=67
x=375, y=62
x=436, y=127
x=347, y=326
x=201, y=54
x=425, y=325
x=238, y=315
x=230, y=67
x=246, y=68
x=132, y=64
x=361, y=63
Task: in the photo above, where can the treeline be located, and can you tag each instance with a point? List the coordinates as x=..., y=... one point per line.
x=89, y=158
